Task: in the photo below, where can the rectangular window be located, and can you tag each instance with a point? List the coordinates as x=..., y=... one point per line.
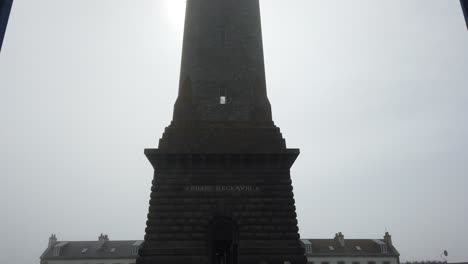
x=384, y=248
x=135, y=250
x=307, y=246
x=222, y=100
x=56, y=251
x=308, y=249
x=223, y=95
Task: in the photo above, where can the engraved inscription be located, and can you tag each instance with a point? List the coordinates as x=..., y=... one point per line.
x=222, y=188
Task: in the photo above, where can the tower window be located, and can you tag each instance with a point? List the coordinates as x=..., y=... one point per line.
x=223, y=95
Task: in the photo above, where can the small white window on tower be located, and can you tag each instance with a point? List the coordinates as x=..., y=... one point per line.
x=223, y=95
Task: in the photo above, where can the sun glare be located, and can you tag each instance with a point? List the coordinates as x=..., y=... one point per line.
x=175, y=11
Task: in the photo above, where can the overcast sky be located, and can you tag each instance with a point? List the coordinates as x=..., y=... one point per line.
x=374, y=93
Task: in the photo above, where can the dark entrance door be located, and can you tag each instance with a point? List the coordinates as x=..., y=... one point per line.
x=224, y=242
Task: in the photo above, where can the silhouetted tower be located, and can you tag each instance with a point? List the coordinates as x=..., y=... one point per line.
x=5, y=8
x=222, y=191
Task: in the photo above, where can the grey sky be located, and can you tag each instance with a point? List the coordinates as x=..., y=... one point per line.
x=373, y=92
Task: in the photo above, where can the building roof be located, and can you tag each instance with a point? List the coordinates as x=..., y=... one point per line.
x=92, y=250
x=128, y=249
x=350, y=247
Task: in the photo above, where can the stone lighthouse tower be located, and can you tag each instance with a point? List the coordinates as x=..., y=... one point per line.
x=222, y=190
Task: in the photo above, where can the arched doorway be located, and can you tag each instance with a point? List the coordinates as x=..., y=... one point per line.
x=224, y=241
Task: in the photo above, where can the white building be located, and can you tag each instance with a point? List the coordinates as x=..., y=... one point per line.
x=351, y=251
x=318, y=251
x=102, y=251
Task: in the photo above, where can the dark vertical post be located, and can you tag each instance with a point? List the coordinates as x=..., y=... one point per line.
x=5, y=7
x=464, y=4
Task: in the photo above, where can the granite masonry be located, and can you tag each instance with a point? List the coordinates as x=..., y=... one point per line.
x=222, y=190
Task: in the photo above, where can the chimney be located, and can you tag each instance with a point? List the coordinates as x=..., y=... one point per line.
x=388, y=239
x=52, y=240
x=103, y=238
x=102, y=241
x=339, y=237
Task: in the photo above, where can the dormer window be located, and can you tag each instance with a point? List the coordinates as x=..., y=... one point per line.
x=307, y=246
x=384, y=248
x=57, y=250
x=135, y=250
x=136, y=247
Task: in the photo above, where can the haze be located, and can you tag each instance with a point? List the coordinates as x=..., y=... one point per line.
x=374, y=93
